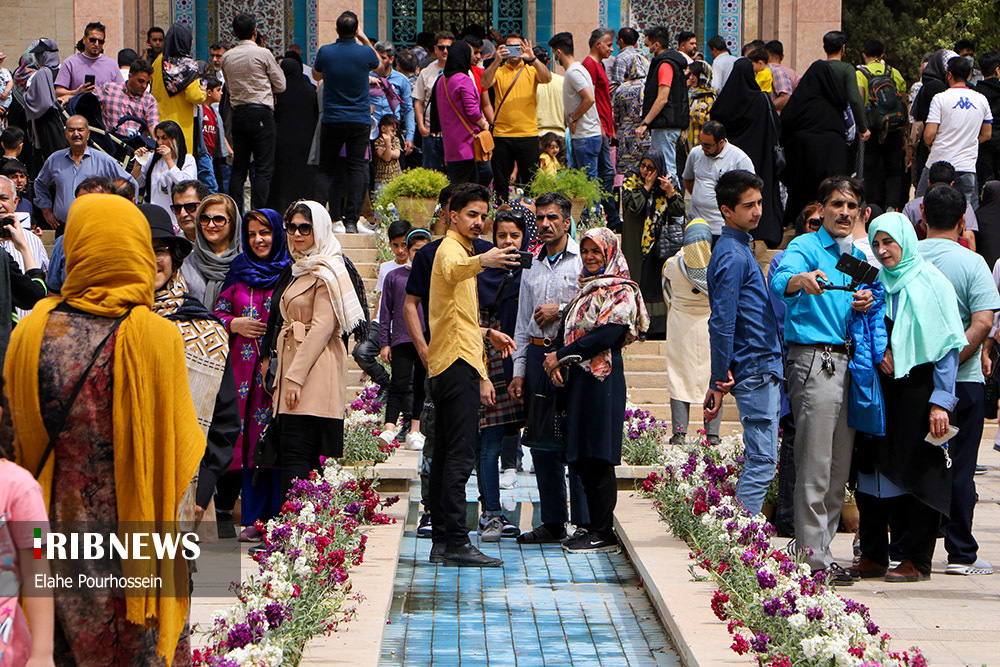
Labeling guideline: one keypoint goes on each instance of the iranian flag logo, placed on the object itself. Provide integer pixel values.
(38, 543)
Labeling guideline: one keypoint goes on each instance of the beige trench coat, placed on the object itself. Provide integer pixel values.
(311, 352)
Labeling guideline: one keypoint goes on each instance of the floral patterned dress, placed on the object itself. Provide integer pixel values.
(89, 631)
(628, 81)
(240, 300)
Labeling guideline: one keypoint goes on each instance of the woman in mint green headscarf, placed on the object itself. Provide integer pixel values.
(901, 474)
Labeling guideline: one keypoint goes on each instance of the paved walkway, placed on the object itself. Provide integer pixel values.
(543, 607)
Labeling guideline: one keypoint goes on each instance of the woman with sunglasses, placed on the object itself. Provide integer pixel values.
(216, 245)
(317, 308)
(170, 164)
(244, 307)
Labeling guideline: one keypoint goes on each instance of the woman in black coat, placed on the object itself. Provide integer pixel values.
(295, 115)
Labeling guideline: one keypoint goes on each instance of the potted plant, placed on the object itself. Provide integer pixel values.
(849, 515)
(413, 194)
(770, 498)
(583, 191)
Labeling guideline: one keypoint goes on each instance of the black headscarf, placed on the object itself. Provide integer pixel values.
(817, 105)
(752, 123)
(934, 80)
(489, 281)
(295, 117)
(459, 58)
(179, 68)
(988, 217)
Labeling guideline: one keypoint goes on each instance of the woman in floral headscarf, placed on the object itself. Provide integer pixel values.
(176, 86)
(606, 315)
(34, 90)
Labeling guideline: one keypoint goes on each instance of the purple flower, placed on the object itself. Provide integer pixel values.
(814, 614)
(239, 636)
(276, 614)
(759, 642)
(772, 606)
(352, 508)
(765, 579)
(872, 628)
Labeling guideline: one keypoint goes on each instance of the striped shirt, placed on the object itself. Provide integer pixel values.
(252, 75)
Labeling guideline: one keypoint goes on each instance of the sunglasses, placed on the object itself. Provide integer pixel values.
(305, 229)
(443, 47)
(189, 207)
(216, 220)
(814, 222)
(95, 40)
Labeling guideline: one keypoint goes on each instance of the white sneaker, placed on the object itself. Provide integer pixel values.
(979, 567)
(893, 564)
(338, 227)
(509, 479)
(388, 437)
(366, 227)
(415, 441)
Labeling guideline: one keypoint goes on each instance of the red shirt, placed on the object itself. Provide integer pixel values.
(602, 94)
(209, 128)
(477, 76)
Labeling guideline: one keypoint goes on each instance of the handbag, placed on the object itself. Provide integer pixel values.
(267, 453)
(669, 238)
(780, 160)
(64, 413)
(482, 141)
(545, 422)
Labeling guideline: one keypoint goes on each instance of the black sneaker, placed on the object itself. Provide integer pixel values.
(591, 543)
(838, 576)
(437, 553)
(469, 556)
(382, 398)
(351, 227)
(981, 470)
(509, 529)
(424, 529)
(226, 527)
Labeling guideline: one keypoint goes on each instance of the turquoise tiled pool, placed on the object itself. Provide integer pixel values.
(543, 607)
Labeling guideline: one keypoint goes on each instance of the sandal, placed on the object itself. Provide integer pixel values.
(541, 535)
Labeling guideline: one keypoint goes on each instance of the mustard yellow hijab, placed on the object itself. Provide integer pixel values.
(157, 442)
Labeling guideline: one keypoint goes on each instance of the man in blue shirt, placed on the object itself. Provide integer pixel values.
(380, 104)
(816, 334)
(346, 111)
(746, 352)
(944, 214)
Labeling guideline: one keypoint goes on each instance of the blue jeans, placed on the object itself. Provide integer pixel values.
(433, 151)
(606, 172)
(665, 141)
(758, 398)
(585, 154)
(489, 473)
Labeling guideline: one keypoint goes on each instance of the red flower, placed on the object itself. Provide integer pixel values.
(740, 645)
(719, 600)
(700, 507)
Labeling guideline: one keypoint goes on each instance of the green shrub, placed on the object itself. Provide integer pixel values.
(570, 182)
(418, 183)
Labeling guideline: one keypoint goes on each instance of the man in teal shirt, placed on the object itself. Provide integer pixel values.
(944, 213)
(816, 367)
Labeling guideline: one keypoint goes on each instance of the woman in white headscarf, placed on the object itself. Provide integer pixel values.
(319, 307)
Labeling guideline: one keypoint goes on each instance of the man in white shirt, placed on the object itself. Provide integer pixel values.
(579, 104)
(958, 121)
(704, 168)
(722, 62)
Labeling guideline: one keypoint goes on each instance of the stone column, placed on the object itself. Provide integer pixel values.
(24, 21)
(801, 25)
(579, 17)
(327, 12)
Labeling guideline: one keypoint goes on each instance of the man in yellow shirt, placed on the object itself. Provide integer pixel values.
(457, 369)
(549, 98)
(515, 80)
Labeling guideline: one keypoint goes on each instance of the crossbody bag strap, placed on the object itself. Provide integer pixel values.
(64, 413)
(507, 94)
(455, 109)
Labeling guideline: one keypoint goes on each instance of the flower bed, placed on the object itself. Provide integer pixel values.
(775, 607)
(362, 425)
(303, 586)
(643, 437)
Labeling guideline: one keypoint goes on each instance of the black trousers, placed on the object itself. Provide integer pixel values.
(305, 438)
(919, 522)
(365, 355)
(463, 171)
(784, 511)
(254, 135)
(227, 490)
(522, 151)
(601, 489)
(352, 169)
(964, 451)
(883, 170)
(406, 391)
(456, 399)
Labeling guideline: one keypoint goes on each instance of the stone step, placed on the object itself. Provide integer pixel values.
(362, 255)
(356, 240)
(645, 363)
(646, 348)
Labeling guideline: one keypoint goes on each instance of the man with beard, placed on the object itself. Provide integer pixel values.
(816, 367)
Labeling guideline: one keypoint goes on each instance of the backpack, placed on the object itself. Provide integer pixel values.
(885, 109)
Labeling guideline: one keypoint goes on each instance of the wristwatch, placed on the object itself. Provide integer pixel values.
(529, 62)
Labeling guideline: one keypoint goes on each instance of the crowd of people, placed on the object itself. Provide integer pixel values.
(147, 377)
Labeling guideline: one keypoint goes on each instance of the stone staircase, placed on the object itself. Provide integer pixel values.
(645, 365)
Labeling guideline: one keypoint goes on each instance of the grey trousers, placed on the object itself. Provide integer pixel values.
(823, 448)
(680, 414)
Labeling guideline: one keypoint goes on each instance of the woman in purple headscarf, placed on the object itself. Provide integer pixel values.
(243, 306)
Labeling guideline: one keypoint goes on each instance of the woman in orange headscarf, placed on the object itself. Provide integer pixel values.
(127, 447)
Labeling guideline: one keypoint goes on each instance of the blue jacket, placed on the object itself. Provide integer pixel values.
(865, 405)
